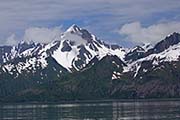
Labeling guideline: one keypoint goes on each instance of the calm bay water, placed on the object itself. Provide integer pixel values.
(109, 110)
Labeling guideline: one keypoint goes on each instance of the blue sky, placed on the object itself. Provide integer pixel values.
(124, 22)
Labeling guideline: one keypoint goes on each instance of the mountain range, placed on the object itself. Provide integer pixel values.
(77, 65)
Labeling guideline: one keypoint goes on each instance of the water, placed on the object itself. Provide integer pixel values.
(109, 110)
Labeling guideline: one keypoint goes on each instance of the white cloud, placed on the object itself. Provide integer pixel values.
(11, 40)
(41, 35)
(35, 34)
(17, 15)
(135, 32)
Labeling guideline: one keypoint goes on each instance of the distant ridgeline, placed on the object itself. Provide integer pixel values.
(79, 66)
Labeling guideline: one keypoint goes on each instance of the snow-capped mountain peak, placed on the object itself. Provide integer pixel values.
(78, 47)
(78, 51)
(147, 46)
(165, 51)
(73, 50)
(73, 29)
(77, 35)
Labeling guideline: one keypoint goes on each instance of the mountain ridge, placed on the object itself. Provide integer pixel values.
(77, 61)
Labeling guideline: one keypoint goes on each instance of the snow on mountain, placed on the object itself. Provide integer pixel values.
(76, 48)
(147, 46)
(74, 34)
(65, 58)
(78, 45)
(73, 50)
(170, 54)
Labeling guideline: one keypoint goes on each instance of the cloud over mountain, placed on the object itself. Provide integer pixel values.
(102, 16)
(151, 34)
(41, 35)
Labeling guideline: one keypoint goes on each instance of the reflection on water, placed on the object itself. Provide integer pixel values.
(143, 110)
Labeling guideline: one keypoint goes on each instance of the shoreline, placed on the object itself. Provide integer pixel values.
(93, 101)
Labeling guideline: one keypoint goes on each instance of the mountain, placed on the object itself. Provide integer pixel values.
(77, 65)
(137, 52)
(156, 72)
(72, 50)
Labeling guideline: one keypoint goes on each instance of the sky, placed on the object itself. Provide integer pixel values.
(124, 22)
